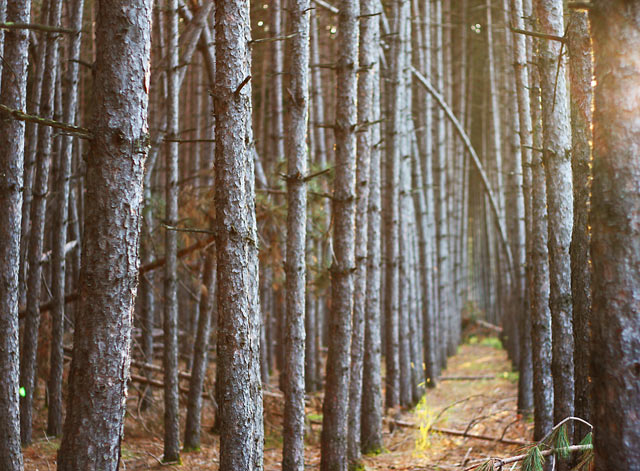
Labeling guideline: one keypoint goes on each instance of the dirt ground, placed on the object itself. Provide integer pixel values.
(478, 406)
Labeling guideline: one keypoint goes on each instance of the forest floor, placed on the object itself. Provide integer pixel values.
(478, 406)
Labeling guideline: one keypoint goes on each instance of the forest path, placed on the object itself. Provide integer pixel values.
(489, 405)
(483, 407)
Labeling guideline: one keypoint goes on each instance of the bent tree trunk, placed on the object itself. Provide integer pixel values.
(238, 378)
(615, 247)
(115, 166)
(14, 90)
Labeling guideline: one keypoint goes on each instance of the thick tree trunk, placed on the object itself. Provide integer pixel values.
(295, 265)
(13, 95)
(334, 424)
(36, 240)
(615, 246)
(239, 386)
(368, 59)
(581, 72)
(54, 424)
(557, 165)
(115, 166)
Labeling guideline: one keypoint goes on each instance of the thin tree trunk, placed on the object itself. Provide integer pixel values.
(54, 424)
(615, 246)
(295, 265)
(368, 54)
(541, 314)
(238, 385)
(115, 167)
(170, 326)
(557, 165)
(334, 424)
(581, 72)
(28, 354)
(200, 354)
(371, 427)
(13, 94)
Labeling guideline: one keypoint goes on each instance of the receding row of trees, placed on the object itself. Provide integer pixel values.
(254, 182)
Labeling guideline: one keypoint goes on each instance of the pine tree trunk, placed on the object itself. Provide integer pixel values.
(13, 95)
(541, 314)
(368, 60)
(371, 427)
(54, 424)
(334, 424)
(36, 239)
(295, 265)
(238, 387)
(615, 245)
(170, 324)
(581, 72)
(557, 165)
(100, 367)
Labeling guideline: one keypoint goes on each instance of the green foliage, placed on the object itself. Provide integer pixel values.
(359, 466)
(486, 466)
(534, 460)
(586, 457)
(426, 418)
(314, 417)
(493, 342)
(378, 450)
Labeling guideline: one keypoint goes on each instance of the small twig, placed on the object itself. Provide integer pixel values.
(188, 229)
(242, 84)
(328, 6)
(35, 27)
(184, 141)
(317, 174)
(273, 39)
(564, 421)
(83, 133)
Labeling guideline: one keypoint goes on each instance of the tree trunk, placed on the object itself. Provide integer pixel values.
(371, 426)
(238, 386)
(367, 59)
(54, 424)
(28, 354)
(295, 265)
(615, 246)
(581, 72)
(170, 325)
(541, 314)
(115, 166)
(13, 95)
(557, 165)
(334, 424)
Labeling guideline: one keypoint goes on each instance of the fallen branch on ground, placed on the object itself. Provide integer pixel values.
(500, 462)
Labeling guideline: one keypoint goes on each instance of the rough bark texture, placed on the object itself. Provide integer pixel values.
(615, 222)
(540, 313)
(368, 59)
(239, 387)
(557, 166)
(581, 71)
(54, 423)
(334, 424)
(36, 240)
(295, 265)
(14, 90)
(522, 85)
(170, 322)
(371, 428)
(115, 165)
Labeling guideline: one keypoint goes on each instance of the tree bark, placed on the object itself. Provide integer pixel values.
(368, 54)
(13, 94)
(36, 239)
(334, 423)
(54, 423)
(615, 246)
(100, 367)
(581, 72)
(295, 264)
(238, 386)
(557, 165)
